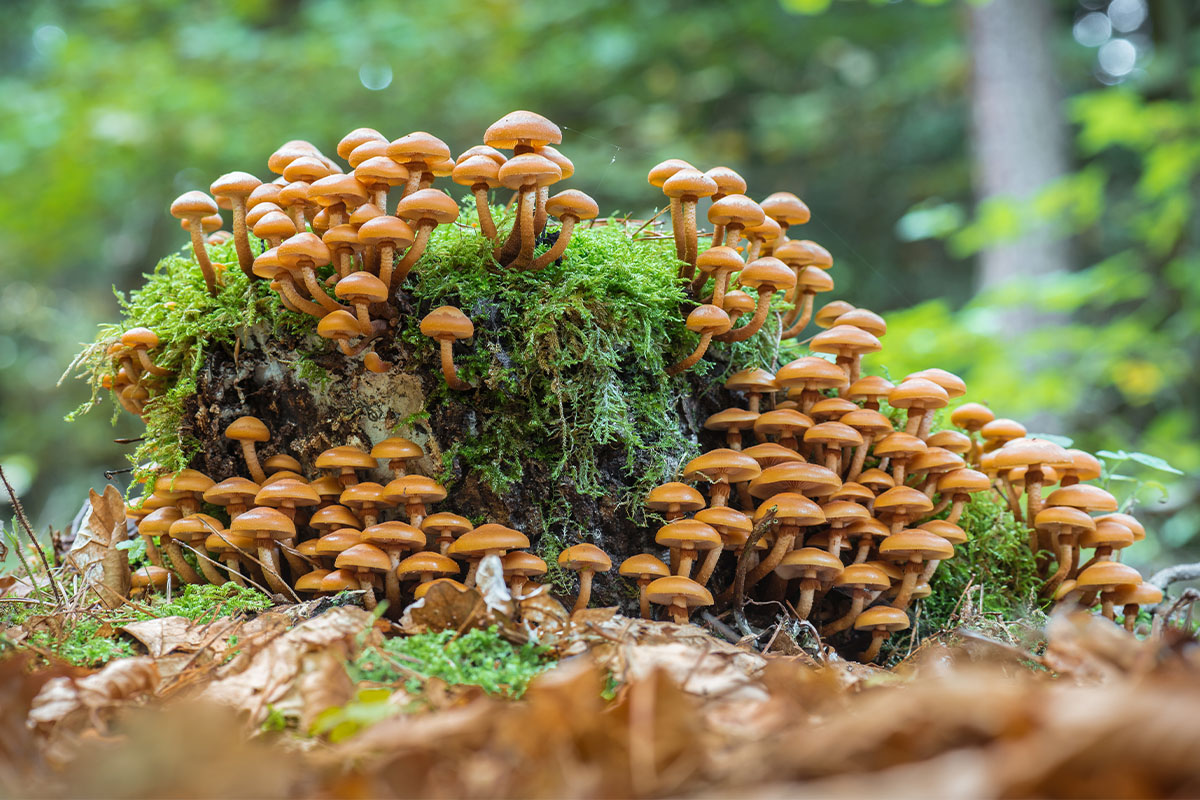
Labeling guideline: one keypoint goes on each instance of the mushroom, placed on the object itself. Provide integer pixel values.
(765, 275)
(269, 267)
(158, 523)
(425, 209)
(1107, 579)
(898, 449)
(732, 421)
(569, 207)
(274, 227)
(417, 152)
(1033, 454)
(913, 548)
(785, 423)
(686, 187)
(717, 263)
(861, 581)
(1131, 598)
(707, 321)
(881, 621)
(762, 238)
(721, 468)
(733, 527)
(841, 514)
(333, 517)
(810, 282)
(486, 540)
(869, 390)
(394, 538)
(481, 173)
(425, 567)
(587, 560)
(644, 569)
(193, 207)
(301, 255)
(194, 530)
(416, 492)
(833, 437)
(971, 417)
(398, 452)
(363, 560)
(342, 326)
(728, 182)
(932, 463)
(344, 460)
(446, 527)
(792, 511)
(678, 594)
(737, 304)
(361, 289)
(902, 504)
(1064, 525)
(237, 186)
(999, 432)
(147, 578)
(355, 139)
(871, 425)
(753, 383)
(849, 344)
(525, 174)
(674, 500)
(447, 324)
(815, 568)
(343, 242)
(688, 537)
(811, 375)
(264, 526)
(864, 534)
(424, 587)
(140, 341)
(920, 397)
(365, 498)
(379, 174)
(287, 495)
(659, 174)
(1084, 467)
(1107, 537)
(732, 214)
(234, 494)
(519, 567)
(957, 486)
(787, 209)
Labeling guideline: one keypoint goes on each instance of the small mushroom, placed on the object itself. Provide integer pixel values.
(447, 324)
(707, 321)
(416, 492)
(364, 560)
(394, 538)
(688, 538)
(525, 174)
(389, 235)
(587, 560)
(721, 468)
(426, 209)
(398, 452)
(792, 511)
(379, 174)
(861, 581)
(425, 567)
(765, 275)
(193, 207)
(361, 289)
(140, 341)
(194, 530)
(301, 255)
(644, 569)
(482, 174)
(486, 540)
(881, 621)
(519, 567)
(446, 527)
(569, 207)
(913, 548)
(265, 526)
(417, 152)
(246, 431)
(678, 594)
(815, 569)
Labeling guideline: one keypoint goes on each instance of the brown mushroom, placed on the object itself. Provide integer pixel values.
(447, 324)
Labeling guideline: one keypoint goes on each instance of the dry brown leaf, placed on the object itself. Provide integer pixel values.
(120, 680)
(94, 553)
(167, 634)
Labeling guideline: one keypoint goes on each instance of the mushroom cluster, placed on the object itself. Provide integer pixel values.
(133, 372)
(288, 532)
(337, 240)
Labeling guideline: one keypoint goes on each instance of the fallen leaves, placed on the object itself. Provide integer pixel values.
(94, 553)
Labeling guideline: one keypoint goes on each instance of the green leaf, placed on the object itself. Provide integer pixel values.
(1120, 455)
(1154, 462)
(1061, 441)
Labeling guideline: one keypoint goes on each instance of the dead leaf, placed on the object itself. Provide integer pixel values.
(94, 552)
(167, 634)
(120, 680)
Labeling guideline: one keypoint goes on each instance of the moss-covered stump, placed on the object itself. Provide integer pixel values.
(570, 420)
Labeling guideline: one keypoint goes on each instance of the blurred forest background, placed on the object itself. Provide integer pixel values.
(1014, 183)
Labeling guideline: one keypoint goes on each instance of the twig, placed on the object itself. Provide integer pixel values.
(1187, 598)
(649, 222)
(727, 632)
(743, 565)
(1180, 572)
(16, 504)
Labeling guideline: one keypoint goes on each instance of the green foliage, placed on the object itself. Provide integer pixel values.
(370, 704)
(206, 602)
(477, 658)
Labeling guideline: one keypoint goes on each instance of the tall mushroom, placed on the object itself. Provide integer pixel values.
(731, 215)
(417, 152)
(426, 209)
(815, 568)
(792, 511)
(264, 526)
(587, 560)
(246, 431)
(193, 207)
(363, 560)
(721, 468)
(569, 207)
(849, 344)
(394, 538)
(707, 321)
(688, 186)
(236, 187)
(659, 174)
(481, 174)
(525, 174)
(301, 255)
(389, 235)
(446, 325)
(688, 538)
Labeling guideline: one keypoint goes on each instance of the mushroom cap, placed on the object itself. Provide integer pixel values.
(194, 527)
(186, 480)
(737, 300)
(811, 372)
(338, 324)
(427, 562)
(572, 203)
(386, 228)
(791, 508)
(767, 273)
(303, 249)
(748, 380)
(339, 580)
(380, 170)
(287, 492)
(954, 385)
(708, 319)
(262, 523)
(335, 542)
(853, 492)
(845, 340)
(899, 445)
(727, 180)
(918, 393)
(423, 588)
(488, 538)
(883, 618)
(1024, 452)
(529, 169)
(247, 429)
(963, 481)
(363, 556)
(936, 460)
(526, 565)
(274, 225)
(721, 466)
(357, 137)
(1002, 428)
(1107, 534)
(809, 562)
(950, 439)
(903, 500)
(661, 498)
(915, 544)
(333, 517)
(828, 314)
(428, 204)
(227, 542)
(869, 386)
(678, 590)
(284, 475)
(1084, 466)
(731, 419)
(334, 189)
(396, 447)
(844, 512)
(810, 479)
(268, 266)
(193, 204)
(447, 322)
(234, 185)
(310, 582)
(805, 253)
(367, 150)
(688, 533)
(361, 494)
(867, 320)
(947, 530)
(689, 183)
(345, 456)
(418, 146)
(327, 487)
(307, 169)
(813, 280)
(735, 210)
(868, 527)
(971, 416)
(832, 409)
(361, 287)
(149, 575)
(584, 557)
(834, 434)
(786, 208)
(643, 566)
(394, 534)
(139, 337)
(768, 454)
(1139, 532)
(446, 522)
(867, 421)
(1058, 518)
(415, 489)
(768, 230)
(663, 170)
(1081, 495)
(521, 127)
(1105, 576)
(231, 490)
(862, 576)
(482, 150)
(264, 193)
(1142, 594)
(728, 522)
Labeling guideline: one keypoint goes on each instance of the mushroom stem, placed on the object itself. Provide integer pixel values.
(718, 236)
(196, 228)
(486, 223)
(1066, 548)
(718, 494)
(912, 423)
(860, 459)
(175, 556)
(643, 600)
(296, 563)
(808, 587)
(846, 620)
(251, 457)
(287, 288)
(677, 232)
(926, 418)
(528, 235)
(689, 235)
(318, 292)
(679, 613)
(241, 239)
(1033, 492)
(208, 567)
(415, 251)
(877, 637)
(448, 368)
(363, 312)
(391, 583)
(694, 358)
(148, 365)
(539, 216)
(387, 263)
(1129, 616)
(864, 549)
(505, 252)
(686, 557)
(799, 317)
(709, 565)
(783, 543)
(909, 582)
(232, 565)
(560, 245)
(756, 322)
(585, 590)
(271, 569)
(364, 583)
